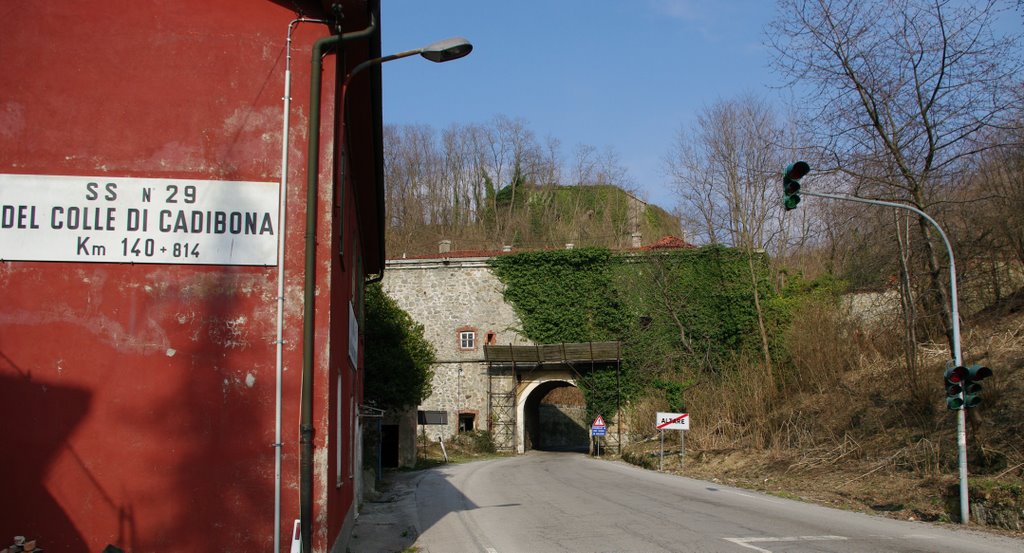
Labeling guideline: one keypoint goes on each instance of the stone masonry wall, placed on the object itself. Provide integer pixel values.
(448, 297)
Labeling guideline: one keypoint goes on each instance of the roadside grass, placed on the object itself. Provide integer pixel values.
(463, 448)
(890, 493)
(852, 429)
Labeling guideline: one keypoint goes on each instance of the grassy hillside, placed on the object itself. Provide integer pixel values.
(596, 215)
(845, 433)
(530, 217)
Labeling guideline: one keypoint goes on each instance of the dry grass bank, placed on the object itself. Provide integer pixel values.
(851, 428)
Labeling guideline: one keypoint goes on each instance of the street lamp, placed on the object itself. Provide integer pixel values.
(445, 50)
(439, 52)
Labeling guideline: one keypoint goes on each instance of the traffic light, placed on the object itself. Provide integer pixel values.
(956, 378)
(962, 386)
(791, 183)
(972, 389)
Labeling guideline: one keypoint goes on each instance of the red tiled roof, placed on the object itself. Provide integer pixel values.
(668, 243)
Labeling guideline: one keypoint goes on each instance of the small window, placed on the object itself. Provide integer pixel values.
(492, 338)
(466, 421)
(467, 339)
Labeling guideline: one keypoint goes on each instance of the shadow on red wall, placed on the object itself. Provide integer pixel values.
(45, 416)
(179, 460)
(206, 427)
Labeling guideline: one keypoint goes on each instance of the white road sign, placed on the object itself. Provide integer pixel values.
(673, 421)
(138, 220)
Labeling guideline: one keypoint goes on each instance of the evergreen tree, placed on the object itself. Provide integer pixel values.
(398, 357)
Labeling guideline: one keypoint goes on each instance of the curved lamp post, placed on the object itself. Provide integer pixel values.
(442, 51)
(961, 415)
(439, 52)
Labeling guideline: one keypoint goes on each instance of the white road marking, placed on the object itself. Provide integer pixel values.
(750, 496)
(491, 550)
(746, 542)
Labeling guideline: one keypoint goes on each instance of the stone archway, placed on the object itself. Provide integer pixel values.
(517, 373)
(529, 395)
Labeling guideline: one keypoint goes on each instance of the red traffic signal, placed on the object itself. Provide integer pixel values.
(957, 375)
(962, 385)
(956, 379)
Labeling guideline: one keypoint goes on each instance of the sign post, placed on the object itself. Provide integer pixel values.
(598, 429)
(672, 421)
(682, 441)
(661, 459)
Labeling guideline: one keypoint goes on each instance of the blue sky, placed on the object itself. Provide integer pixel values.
(624, 74)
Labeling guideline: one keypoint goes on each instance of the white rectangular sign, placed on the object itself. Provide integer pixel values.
(138, 220)
(673, 421)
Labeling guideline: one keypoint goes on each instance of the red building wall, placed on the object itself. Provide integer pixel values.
(138, 400)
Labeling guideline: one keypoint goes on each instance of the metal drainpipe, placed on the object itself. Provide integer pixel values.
(282, 226)
(309, 288)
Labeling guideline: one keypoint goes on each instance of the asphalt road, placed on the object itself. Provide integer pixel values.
(563, 502)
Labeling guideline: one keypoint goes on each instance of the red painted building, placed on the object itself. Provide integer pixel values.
(152, 326)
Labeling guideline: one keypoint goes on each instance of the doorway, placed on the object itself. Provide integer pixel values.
(389, 445)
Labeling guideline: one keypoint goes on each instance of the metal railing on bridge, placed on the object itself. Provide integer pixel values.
(554, 354)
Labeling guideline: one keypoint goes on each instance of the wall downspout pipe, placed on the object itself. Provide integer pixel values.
(282, 217)
(321, 46)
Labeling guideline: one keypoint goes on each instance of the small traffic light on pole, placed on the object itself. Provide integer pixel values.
(791, 183)
(962, 386)
(972, 390)
(956, 378)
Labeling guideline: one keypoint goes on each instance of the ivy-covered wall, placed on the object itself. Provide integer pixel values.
(563, 295)
(681, 314)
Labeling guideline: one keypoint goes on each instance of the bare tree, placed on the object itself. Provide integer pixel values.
(1001, 172)
(726, 171)
(485, 185)
(901, 93)
(411, 170)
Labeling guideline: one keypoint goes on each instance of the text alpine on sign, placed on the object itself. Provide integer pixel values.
(138, 220)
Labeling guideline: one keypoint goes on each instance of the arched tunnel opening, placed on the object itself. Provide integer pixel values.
(555, 418)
